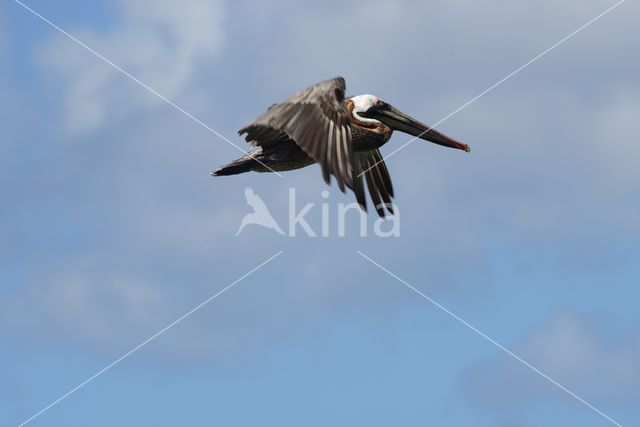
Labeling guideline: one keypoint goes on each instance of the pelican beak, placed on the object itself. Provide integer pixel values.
(397, 120)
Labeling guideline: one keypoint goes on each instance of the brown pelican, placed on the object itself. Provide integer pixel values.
(343, 135)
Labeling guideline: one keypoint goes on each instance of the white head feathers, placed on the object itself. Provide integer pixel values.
(362, 103)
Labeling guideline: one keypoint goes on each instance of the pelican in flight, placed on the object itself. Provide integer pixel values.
(343, 135)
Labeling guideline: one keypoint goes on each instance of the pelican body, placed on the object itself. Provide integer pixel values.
(343, 135)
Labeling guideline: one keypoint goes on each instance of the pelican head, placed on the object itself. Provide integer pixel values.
(371, 109)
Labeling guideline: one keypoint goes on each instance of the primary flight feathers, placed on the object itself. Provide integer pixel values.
(343, 135)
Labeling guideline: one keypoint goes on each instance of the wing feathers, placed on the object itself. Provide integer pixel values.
(378, 181)
(316, 119)
(303, 117)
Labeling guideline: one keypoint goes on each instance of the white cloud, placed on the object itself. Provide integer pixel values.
(153, 193)
(3, 36)
(4, 143)
(98, 294)
(76, 303)
(159, 42)
(570, 349)
(619, 138)
(429, 42)
(536, 138)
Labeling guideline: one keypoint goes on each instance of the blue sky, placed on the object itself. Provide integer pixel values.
(112, 227)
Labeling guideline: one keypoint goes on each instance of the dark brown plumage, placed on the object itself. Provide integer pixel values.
(318, 125)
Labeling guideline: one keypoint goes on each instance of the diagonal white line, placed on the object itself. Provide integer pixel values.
(144, 85)
(488, 338)
(496, 84)
(145, 342)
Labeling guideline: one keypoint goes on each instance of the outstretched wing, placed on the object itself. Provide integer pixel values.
(378, 181)
(317, 120)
